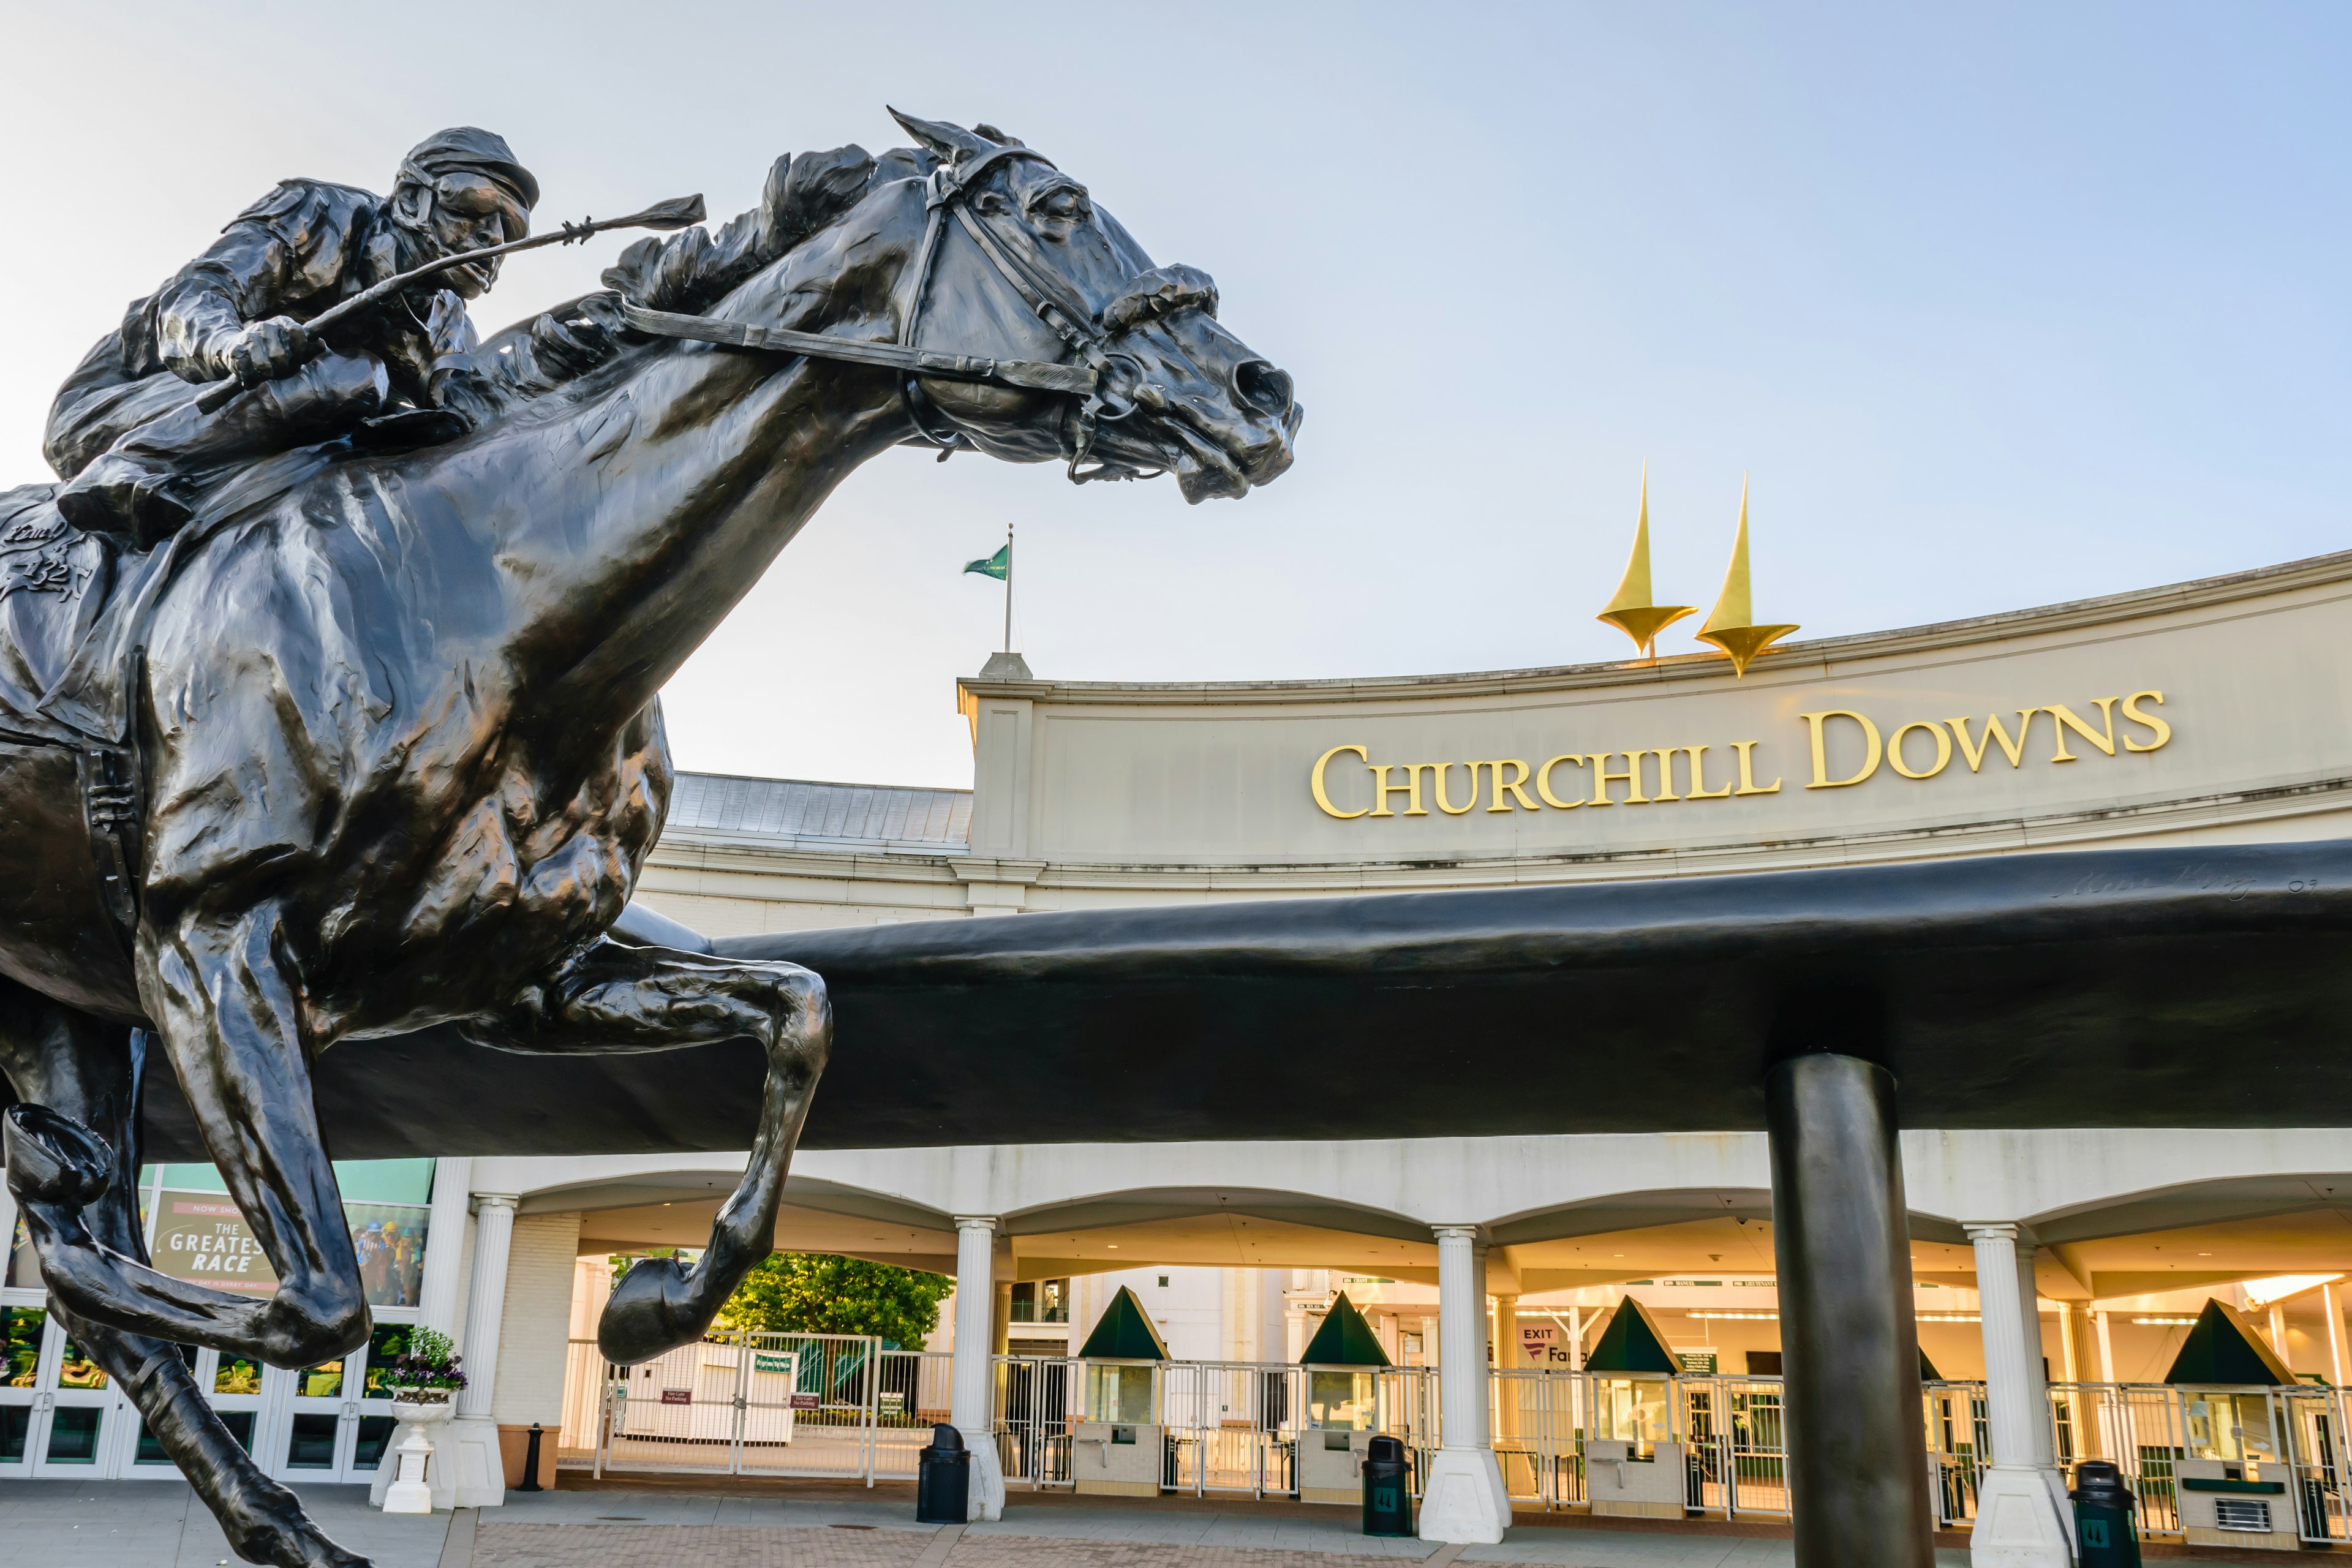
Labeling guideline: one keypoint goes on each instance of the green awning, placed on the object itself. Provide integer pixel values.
(1344, 1339)
(1631, 1342)
(1124, 1334)
(1928, 1373)
(2223, 1348)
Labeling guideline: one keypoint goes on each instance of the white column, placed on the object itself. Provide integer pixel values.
(1464, 1501)
(2107, 1373)
(1576, 1339)
(444, 1241)
(2278, 1334)
(468, 1468)
(2019, 1523)
(2334, 1334)
(971, 1381)
(2045, 1435)
(1504, 1337)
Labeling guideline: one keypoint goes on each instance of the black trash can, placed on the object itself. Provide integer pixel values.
(1388, 1499)
(2106, 1531)
(944, 1478)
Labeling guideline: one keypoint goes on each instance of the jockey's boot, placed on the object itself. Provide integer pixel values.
(123, 493)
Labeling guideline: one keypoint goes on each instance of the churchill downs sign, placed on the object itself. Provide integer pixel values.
(1845, 748)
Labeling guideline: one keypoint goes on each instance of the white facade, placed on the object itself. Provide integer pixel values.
(2213, 712)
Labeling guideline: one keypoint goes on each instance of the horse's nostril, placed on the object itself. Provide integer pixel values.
(1263, 387)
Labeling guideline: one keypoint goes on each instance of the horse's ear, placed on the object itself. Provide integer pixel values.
(952, 143)
(1001, 137)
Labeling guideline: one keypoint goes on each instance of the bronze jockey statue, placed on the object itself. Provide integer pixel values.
(125, 431)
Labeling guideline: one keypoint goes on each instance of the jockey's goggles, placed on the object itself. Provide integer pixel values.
(479, 196)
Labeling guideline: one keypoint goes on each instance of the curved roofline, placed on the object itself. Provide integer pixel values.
(2069, 615)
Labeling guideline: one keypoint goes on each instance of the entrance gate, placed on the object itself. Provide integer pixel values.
(755, 1403)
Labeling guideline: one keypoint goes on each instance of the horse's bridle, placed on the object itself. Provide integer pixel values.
(1105, 379)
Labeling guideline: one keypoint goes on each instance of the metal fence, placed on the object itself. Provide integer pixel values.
(2145, 1429)
(1228, 1428)
(843, 1406)
(754, 1404)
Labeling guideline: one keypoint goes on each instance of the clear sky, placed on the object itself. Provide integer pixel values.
(1997, 305)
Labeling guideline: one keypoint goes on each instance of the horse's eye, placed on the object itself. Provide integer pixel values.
(1063, 202)
(988, 202)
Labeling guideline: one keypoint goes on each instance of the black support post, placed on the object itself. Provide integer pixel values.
(1849, 1346)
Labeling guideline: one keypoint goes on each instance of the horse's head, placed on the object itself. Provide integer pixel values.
(1018, 262)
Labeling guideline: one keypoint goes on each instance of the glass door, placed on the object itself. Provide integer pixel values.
(320, 1416)
(234, 1384)
(22, 1331)
(372, 1433)
(78, 1399)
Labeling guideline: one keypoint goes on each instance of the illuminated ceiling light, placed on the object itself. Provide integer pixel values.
(1740, 1317)
(2262, 1292)
(1949, 1318)
(2166, 1322)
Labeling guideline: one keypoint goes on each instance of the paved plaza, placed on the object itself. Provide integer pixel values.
(65, 1524)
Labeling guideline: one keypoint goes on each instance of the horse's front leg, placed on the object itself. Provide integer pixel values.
(224, 1001)
(611, 998)
(86, 1073)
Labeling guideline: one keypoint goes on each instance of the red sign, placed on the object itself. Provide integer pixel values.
(807, 1402)
(678, 1396)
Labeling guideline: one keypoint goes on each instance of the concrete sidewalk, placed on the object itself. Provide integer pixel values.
(156, 1524)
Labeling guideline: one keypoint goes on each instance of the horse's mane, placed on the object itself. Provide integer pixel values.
(690, 272)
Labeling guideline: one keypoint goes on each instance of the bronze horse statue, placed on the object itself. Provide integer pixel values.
(392, 754)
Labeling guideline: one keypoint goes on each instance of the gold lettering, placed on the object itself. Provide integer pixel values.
(1383, 789)
(1665, 772)
(2066, 720)
(1698, 790)
(1602, 778)
(1438, 772)
(1817, 722)
(1543, 779)
(1315, 783)
(1515, 786)
(1747, 749)
(2132, 711)
(1974, 751)
(1894, 749)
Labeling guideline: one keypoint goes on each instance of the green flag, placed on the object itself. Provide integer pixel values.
(999, 565)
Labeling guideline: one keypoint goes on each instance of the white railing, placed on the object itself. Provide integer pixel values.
(2145, 1429)
(754, 1404)
(842, 1405)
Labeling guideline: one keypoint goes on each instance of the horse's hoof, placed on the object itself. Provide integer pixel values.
(647, 1314)
(54, 1160)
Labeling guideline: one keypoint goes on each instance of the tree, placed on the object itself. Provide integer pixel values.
(820, 1293)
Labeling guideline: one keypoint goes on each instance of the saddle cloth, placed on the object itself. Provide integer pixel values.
(55, 586)
(74, 606)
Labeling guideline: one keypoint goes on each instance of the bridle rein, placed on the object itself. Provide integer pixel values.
(1105, 379)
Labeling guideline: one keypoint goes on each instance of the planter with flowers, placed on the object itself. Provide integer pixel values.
(422, 1380)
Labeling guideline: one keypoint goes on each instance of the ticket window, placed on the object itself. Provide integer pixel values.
(1631, 1410)
(1340, 1401)
(2231, 1427)
(1119, 1393)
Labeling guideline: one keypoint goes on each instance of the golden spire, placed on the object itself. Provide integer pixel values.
(1631, 610)
(1731, 624)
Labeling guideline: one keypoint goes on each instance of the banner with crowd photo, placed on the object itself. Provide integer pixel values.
(201, 1238)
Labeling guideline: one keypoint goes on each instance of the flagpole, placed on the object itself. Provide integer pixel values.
(1008, 588)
